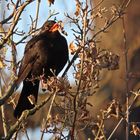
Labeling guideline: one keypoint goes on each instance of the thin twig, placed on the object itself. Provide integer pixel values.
(81, 70)
(114, 130)
(9, 92)
(10, 16)
(23, 117)
(37, 13)
(16, 17)
(113, 20)
(118, 124)
(99, 130)
(126, 79)
(3, 113)
(48, 114)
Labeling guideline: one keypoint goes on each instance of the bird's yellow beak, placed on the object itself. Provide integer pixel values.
(55, 27)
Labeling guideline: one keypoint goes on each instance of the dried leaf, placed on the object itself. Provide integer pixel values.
(88, 103)
(77, 8)
(108, 60)
(12, 101)
(72, 48)
(114, 9)
(114, 110)
(135, 130)
(2, 65)
(31, 98)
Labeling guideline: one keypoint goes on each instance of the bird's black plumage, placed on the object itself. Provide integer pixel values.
(47, 50)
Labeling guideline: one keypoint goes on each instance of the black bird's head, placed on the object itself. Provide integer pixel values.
(50, 26)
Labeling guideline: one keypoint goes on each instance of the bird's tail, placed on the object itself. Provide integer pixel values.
(29, 90)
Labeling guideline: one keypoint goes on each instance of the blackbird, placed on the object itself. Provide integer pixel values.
(44, 53)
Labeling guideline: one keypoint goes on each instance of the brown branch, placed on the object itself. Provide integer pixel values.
(121, 120)
(104, 29)
(83, 37)
(48, 115)
(10, 91)
(112, 20)
(2, 109)
(16, 17)
(37, 13)
(10, 16)
(126, 79)
(23, 117)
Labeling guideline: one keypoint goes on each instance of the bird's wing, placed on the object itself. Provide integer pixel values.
(30, 57)
(25, 69)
